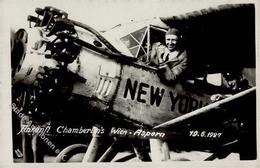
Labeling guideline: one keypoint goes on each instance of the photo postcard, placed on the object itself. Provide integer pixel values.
(130, 81)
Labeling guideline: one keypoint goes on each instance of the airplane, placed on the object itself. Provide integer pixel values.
(130, 107)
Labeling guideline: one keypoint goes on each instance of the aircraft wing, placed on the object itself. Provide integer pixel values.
(242, 104)
(236, 116)
(218, 39)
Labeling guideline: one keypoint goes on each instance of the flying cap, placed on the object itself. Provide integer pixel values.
(173, 31)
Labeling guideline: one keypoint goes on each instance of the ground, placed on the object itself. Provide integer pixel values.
(182, 156)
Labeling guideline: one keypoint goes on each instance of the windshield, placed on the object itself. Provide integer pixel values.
(139, 42)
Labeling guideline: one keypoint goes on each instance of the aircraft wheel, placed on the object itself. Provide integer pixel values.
(72, 153)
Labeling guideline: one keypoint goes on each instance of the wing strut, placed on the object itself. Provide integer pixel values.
(205, 109)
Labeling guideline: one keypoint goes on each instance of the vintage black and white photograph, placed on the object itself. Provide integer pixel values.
(132, 81)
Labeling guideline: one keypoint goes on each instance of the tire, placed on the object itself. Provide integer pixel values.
(72, 153)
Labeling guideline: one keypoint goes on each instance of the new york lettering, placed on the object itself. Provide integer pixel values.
(141, 92)
(185, 104)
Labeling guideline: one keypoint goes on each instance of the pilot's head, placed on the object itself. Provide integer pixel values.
(231, 80)
(172, 37)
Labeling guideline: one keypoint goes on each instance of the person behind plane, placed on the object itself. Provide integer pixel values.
(245, 114)
(234, 82)
(171, 58)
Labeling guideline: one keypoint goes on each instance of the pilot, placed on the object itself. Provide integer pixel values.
(171, 58)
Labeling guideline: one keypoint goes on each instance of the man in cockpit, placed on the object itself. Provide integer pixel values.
(172, 62)
(170, 58)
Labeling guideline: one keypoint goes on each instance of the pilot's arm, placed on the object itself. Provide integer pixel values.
(158, 53)
(173, 69)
